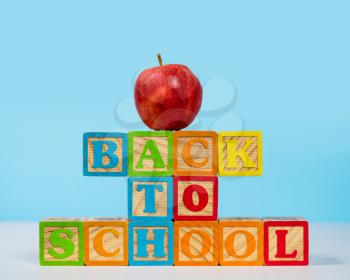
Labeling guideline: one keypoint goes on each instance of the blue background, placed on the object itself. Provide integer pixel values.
(66, 65)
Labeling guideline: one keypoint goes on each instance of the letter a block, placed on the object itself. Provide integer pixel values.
(196, 243)
(195, 198)
(240, 153)
(286, 241)
(106, 242)
(150, 153)
(241, 241)
(61, 242)
(195, 153)
(151, 243)
(105, 154)
(150, 198)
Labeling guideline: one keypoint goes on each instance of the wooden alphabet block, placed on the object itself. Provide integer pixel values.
(105, 154)
(195, 198)
(61, 242)
(150, 198)
(195, 153)
(196, 243)
(151, 243)
(240, 153)
(286, 241)
(241, 241)
(106, 241)
(150, 153)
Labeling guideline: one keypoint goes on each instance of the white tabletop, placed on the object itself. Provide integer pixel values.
(329, 259)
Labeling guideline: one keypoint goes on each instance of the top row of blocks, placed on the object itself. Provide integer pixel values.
(166, 153)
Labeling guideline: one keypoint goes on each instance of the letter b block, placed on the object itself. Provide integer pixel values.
(106, 242)
(61, 242)
(150, 153)
(196, 243)
(150, 198)
(241, 241)
(151, 243)
(195, 198)
(105, 154)
(286, 241)
(240, 153)
(195, 153)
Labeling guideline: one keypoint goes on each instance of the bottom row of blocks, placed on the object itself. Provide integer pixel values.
(231, 241)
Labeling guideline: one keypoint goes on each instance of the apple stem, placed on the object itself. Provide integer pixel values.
(160, 59)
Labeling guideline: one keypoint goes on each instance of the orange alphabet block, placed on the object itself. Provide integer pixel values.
(241, 242)
(106, 242)
(196, 243)
(195, 153)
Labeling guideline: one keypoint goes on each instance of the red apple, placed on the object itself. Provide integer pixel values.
(168, 97)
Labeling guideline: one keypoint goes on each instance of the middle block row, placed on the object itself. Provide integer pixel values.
(183, 198)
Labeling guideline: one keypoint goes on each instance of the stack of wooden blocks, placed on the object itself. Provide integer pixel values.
(173, 206)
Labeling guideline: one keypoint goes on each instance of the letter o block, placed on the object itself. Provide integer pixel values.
(241, 242)
(106, 242)
(195, 153)
(196, 243)
(240, 153)
(150, 153)
(61, 242)
(195, 198)
(105, 154)
(286, 241)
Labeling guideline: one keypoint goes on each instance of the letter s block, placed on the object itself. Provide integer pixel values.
(151, 243)
(195, 198)
(150, 153)
(240, 153)
(106, 241)
(105, 154)
(150, 198)
(61, 242)
(196, 243)
(241, 242)
(195, 153)
(286, 241)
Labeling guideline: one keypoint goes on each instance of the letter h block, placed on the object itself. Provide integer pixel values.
(106, 241)
(195, 153)
(105, 154)
(150, 198)
(151, 243)
(286, 241)
(195, 198)
(150, 153)
(61, 242)
(240, 153)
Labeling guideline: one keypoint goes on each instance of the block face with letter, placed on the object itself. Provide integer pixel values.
(150, 198)
(106, 241)
(150, 153)
(196, 243)
(240, 153)
(151, 243)
(195, 198)
(286, 241)
(105, 154)
(241, 242)
(61, 242)
(195, 153)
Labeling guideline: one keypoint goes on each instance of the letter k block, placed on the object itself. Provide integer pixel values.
(150, 198)
(240, 153)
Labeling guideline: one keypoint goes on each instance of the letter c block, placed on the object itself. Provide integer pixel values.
(195, 198)
(61, 242)
(106, 242)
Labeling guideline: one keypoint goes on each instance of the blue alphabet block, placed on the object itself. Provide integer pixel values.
(150, 198)
(151, 243)
(105, 154)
